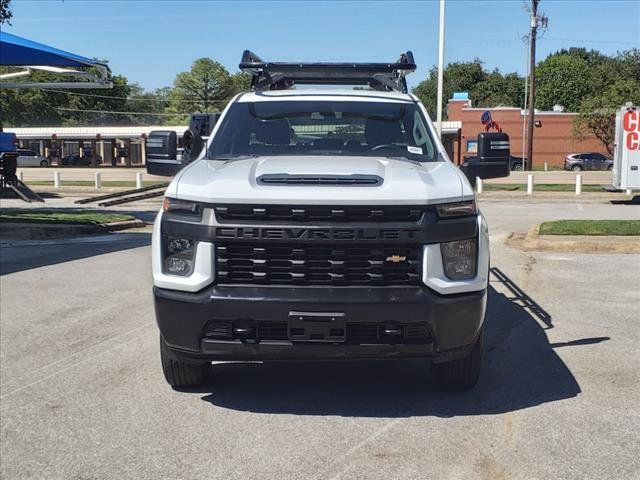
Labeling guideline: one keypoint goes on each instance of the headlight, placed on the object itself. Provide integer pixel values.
(459, 259)
(457, 209)
(178, 256)
(183, 207)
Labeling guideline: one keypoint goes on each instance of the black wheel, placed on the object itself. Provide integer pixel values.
(44, 163)
(181, 374)
(517, 166)
(610, 167)
(576, 168)
(461, 374)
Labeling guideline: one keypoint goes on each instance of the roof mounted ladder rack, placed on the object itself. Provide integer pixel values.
(281, 75)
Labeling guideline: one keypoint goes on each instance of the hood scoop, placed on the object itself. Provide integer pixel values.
(319, 180)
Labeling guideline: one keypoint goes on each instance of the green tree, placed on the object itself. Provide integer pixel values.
(241, 82)
(206, 87)
(95, 106)
(5, 12)
(154, 103)
(597, 113)
(485, 89)
(499, 90)
(457, 77)
(628, 64)
(563, 79)
(31, 107)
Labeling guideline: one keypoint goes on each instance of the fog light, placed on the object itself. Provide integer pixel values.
(392, 330)
(178, 256)
(459, 259)
(178, 266)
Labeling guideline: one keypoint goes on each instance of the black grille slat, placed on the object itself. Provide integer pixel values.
(363, 333)
(313, 265)
(272, 331)
(319, 213)
(356, 333)
(417, 331)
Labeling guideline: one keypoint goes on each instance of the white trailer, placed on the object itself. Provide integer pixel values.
(626, 156)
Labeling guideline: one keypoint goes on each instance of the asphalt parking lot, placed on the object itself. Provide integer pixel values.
(82, 395)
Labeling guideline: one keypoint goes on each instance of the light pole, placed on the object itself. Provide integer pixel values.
(440, 70)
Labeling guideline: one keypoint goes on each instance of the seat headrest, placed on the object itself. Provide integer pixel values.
(273, 132)
(381, 132)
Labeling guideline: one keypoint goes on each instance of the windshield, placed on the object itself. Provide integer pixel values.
(323, 128)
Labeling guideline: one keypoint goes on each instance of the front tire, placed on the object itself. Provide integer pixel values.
(44, 164)
(576, 168)
(180, 374)
(461, 374)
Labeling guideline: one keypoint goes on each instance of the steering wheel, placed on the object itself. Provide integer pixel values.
(384, 145)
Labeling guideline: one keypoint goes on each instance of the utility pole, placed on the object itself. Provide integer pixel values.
(440, 70)
(532, 81)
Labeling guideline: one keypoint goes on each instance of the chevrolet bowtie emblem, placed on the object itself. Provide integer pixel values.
(396, 259)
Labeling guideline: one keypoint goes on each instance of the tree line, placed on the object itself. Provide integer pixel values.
(585, 81)
(206, 87)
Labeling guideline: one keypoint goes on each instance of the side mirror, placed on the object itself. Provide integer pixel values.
(162, 153)
(493, 160)
(195, 138)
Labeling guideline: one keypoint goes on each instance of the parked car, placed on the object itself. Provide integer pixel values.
(515, 163)
(587, 161)
(29, 158)
(518, 163)
(76, 160)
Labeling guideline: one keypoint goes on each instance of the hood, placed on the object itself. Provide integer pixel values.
(400, 181)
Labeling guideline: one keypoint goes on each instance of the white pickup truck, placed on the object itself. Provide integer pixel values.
(323, 224)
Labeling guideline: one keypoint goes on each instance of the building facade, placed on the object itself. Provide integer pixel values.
(122, 146)
(553, 133)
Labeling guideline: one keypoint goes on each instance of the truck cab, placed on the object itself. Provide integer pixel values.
(322, 224)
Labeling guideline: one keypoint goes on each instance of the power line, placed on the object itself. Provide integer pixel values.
(585, 40)
(137, 99)
(119, 113)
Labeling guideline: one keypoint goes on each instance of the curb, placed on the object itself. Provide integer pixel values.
(578, 243)
(546, 196)
(39, 231)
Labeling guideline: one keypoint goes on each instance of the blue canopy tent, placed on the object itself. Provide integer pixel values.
(20, 52)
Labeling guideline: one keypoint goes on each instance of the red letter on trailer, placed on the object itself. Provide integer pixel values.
(633, 141)
(630, 121)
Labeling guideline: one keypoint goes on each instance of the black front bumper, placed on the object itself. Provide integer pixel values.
(453, 321)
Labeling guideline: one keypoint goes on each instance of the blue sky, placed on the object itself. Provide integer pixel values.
(150, 41)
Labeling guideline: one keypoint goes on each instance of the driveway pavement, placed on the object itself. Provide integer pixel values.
(82, 394)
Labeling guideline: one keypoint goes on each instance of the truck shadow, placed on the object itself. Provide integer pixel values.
(520, 370)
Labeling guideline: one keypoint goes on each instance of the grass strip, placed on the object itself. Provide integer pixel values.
(81, 217)
(541, 187)
(591, 227)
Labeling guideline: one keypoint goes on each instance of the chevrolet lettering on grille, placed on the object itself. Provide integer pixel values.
(253, 233)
